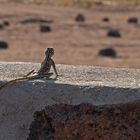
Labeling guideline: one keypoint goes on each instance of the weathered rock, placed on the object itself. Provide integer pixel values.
(87, 122)
(38, 129)
(80, 18)
(114, 33)
(78, 84)
(108, 52)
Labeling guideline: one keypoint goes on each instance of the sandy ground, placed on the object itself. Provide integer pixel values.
(73, 43)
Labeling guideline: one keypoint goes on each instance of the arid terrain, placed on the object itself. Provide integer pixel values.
(27, 29)
(74, 43)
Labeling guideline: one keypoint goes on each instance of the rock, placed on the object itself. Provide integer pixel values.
(45, 28)
(87, 122)
(80, 18)
(133, 20)
(6, 23)
(1, 26)
(108, 52)
(105, 19)
(3, 45)
(37, 128)
(114, 33)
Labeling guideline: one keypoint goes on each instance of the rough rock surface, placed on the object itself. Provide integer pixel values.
(87, 122)
(75, 85)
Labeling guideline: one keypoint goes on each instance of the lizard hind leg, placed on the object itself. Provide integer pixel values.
(48, 75)
(29, 73)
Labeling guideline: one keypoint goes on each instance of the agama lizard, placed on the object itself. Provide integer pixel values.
(43, 71)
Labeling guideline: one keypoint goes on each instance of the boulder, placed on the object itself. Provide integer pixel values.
(86, 122)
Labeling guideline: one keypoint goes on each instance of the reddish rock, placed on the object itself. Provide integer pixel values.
(88, 122)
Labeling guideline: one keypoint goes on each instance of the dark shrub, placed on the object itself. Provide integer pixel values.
(45, 28)
(3, 45)
(108, 52)
(6, 23)
(113, 33)
(80, 18)
(105, 19)
(35, 21)
(133, 20)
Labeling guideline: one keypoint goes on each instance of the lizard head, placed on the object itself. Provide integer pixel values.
(49, 52)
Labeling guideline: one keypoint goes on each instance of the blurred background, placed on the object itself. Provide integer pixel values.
(82, 32)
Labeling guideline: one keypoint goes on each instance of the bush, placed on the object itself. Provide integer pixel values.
(80, 18)
(114, 33)
(45, 28)
(105, 19)
(108, 52)
(133, 20)
(3, 45)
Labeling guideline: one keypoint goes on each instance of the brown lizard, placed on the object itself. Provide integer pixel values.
(43, 71)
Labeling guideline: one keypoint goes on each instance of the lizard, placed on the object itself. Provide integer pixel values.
(43, 72)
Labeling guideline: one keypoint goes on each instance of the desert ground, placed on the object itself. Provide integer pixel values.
(74, 43)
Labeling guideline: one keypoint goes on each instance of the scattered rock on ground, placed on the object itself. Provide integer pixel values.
(87, 122)
(3, 45)
(133, 20)
(6, 23)
(105, 19)
(80, 18)
(45, 28)
(114, 33)
(108, 52)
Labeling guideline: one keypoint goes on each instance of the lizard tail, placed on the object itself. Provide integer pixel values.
(18, 79)
(29, 73)
(13, 81)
